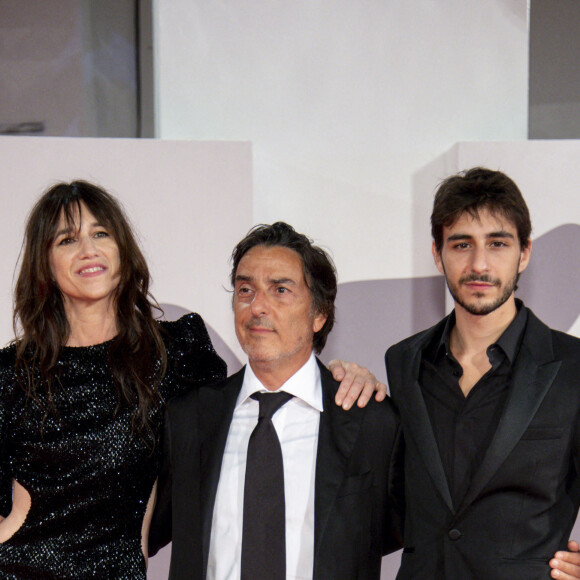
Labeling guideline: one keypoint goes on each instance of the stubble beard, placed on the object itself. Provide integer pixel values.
(478, 309)
(260, 353)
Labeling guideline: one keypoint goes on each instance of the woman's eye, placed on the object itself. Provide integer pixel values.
(66, 241)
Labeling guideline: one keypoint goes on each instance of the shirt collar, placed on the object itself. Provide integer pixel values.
(511, 338)
(443, 346)
(509, 341)
(304, 384)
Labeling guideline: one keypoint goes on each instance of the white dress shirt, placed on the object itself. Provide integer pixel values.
(296, 424)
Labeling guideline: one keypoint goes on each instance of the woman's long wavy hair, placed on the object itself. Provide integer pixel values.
(137, 356)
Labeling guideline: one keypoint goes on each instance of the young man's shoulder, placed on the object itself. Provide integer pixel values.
(563, 343)
(416, 340)
(372, 411)
(566, 344)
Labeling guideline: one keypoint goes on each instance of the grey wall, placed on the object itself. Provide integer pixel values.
(554, 101)
(71, 65)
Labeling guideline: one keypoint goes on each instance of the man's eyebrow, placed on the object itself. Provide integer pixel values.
(247, 278)
(454, 237)
(498, 234)
(242, 278)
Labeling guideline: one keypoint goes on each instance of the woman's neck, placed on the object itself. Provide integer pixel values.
(90, 324)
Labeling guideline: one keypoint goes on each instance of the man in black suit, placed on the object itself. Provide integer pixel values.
(489, 400)
(338, 466)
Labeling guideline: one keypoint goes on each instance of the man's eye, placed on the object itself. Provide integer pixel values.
(281, 290)
(498, 244)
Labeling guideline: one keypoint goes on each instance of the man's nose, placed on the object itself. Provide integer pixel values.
(260, 305)
(479, 261)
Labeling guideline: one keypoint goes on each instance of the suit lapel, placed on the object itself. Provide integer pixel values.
(417, 423)
(215, 411)
(533, 375)
(415, 417)
(337, 435)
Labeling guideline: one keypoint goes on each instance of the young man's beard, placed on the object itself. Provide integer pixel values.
(485, 308)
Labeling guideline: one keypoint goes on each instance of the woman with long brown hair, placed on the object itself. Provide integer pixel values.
(81, 393)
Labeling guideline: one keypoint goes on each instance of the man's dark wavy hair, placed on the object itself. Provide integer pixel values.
(474, 190)
(318, 267)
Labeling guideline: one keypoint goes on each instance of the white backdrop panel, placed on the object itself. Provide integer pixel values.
(343, 101)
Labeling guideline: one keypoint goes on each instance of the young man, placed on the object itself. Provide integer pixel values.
(489, 400)
(314, 503)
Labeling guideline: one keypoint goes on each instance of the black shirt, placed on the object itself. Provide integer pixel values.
(464, 426)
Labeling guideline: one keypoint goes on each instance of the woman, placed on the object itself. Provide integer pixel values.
(81, 393)
(82, 389)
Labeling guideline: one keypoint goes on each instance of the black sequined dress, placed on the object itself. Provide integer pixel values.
(88, 475)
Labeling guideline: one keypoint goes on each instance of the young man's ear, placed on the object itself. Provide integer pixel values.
(525, 254)
(437, 258)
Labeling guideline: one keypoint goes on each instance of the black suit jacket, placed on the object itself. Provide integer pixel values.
(354, 472)
(524, 498)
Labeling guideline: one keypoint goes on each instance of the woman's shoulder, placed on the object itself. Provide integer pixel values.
(191, 357)
(188, 328)
(7, 357)
(7, 364)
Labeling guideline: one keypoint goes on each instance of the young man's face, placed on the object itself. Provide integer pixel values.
(481, 258)
(275, 321)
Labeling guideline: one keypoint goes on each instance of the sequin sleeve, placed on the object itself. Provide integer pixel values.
(191, 358)
(6, 374)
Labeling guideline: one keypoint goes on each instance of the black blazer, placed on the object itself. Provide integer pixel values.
(354, 472)
(523, 500)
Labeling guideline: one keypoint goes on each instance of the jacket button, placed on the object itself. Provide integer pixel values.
(454, 534)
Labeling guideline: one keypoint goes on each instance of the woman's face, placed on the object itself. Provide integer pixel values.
(84, 260)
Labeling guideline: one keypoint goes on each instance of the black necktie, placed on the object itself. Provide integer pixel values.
(264, 527)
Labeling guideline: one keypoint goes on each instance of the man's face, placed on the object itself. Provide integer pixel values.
(481, 258)
(274, 318)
